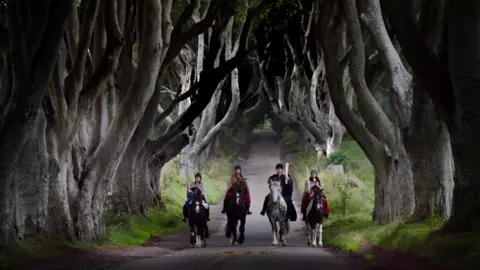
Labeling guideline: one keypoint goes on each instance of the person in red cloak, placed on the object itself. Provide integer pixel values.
(313, 181)
(237, 177)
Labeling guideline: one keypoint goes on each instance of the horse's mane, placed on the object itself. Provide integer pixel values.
(275, 189)
(238, 186)
(317, 191)
(197, 193)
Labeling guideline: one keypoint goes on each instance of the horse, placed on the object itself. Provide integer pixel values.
(314, 218)
(197, 219)
(277, 212)
(236, 211)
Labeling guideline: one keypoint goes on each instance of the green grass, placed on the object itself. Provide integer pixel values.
(135, 230)
(129, 230)
(350, 224)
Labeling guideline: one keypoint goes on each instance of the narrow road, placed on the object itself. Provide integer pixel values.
(256, 252)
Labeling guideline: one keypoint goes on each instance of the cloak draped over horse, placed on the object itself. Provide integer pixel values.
(286, 183)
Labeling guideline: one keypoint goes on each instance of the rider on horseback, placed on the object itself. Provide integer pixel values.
(313, 181)
(237, 177)
(196, 184)
(287, 191)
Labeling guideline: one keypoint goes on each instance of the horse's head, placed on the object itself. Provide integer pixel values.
(196, 193)
(239, 191)
(317, 197)
(275, 189)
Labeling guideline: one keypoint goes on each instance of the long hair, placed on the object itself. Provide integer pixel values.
(237, 177)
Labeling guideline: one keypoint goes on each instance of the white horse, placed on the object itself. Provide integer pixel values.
(314, 218)
(277, 212)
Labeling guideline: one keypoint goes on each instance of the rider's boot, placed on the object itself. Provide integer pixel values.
(248, 211)
(264, 208)
(208, 214)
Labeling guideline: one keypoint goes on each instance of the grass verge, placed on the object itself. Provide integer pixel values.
(129, 230)
(136, 230)
(350, 226)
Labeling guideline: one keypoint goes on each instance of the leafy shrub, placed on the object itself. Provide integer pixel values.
(337, 158)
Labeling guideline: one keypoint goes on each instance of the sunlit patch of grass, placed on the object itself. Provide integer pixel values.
(351, 232)
(136, 230)
(350, 224)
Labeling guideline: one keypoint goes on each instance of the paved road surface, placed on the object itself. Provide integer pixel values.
(256, 252)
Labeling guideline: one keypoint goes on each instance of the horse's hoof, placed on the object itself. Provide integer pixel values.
(204, 244)
(241, 239)
(320, 244)
(274, 244)
(309, 243)
(284, 244)
(192, 245)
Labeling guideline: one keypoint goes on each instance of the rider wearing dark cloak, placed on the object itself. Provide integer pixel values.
(287, 192)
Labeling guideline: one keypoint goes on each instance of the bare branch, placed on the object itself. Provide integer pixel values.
(430, 74)
(109, 61)
(75, 79)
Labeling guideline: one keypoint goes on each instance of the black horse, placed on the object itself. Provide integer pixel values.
(197, 219)
(314, 218)
(236, 211)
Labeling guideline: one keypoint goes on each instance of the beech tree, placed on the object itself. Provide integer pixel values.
(395, 140)
(449, 78)
(380, 137)
(91, 105)
(297, 90)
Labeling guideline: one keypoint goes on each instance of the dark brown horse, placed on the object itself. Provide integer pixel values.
(197, 219)
(314, 217)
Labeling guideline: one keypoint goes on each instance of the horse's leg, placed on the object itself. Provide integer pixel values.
(320, 231)
(274, 232)
(228, 231)
(193, 239)
(202, 235)
(241, 238)
(233, 231)
(282, 232)
(314, 234)
(309, 231)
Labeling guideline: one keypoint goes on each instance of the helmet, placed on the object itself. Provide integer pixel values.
(313, 171)
(237, 167)
(279, 166)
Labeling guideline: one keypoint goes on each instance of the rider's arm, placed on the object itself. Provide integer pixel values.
(306, 189)
(289, 188)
